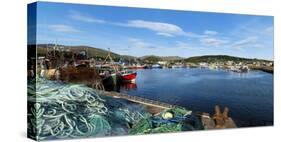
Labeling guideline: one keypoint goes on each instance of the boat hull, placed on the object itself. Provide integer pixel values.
(111, 80)
(136, 67)
(129, 77)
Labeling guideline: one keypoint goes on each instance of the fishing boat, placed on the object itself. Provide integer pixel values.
(177, 66)
(108, 71)
(156, 66)
(137, 66)
(128, 75)
(109, 75)
(239, 69)
(244, 69)
(213, 67)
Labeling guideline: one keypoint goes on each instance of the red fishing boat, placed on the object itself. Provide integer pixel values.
(128, 75)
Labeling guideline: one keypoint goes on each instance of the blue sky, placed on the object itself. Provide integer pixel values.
(139, 32)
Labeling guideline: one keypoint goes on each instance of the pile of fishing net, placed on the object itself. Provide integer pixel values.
(58, 110)
(172, 120)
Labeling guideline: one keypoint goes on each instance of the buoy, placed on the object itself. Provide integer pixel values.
(167, 115)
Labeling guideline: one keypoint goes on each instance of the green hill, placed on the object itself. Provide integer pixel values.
(91, 51)
(219, 58)
(151, 58)
(154, 59)
(101, 54)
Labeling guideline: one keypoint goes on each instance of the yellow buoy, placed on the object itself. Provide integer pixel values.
(167, 115)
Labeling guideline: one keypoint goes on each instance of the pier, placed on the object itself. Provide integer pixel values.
(263, 68)
(155, 107)
(140, 100)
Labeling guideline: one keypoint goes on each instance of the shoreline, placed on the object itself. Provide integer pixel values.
(264, 69)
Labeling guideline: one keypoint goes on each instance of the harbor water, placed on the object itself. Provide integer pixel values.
(249, 96)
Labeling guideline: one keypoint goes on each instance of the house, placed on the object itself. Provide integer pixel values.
(229, 63)
(162, 62)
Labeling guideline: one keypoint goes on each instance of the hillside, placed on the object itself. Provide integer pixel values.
(101, 54)
(153, 58)
(219, 58)
(91, 51)
(172, 58)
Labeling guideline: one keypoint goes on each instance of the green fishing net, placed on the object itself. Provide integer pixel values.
(59, 110)
(180, 119)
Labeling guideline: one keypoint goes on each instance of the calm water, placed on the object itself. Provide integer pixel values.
(249, 96)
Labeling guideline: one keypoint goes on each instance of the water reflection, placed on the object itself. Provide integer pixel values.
(115, 88)
(129, 86)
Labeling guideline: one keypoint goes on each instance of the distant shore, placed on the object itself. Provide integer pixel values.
(265, 69)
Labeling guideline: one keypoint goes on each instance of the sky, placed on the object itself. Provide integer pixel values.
(139, 32)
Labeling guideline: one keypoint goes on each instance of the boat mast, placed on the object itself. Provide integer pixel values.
(54, 51)
(108, 57)
(46, 56)
(111, 61)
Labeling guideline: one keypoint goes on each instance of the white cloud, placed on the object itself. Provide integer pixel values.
(139, 47)
(209, 32)
(165, 29)
(193, 35)
(183, 46)
(258, 45)
(209, 41)
(138, 43)
(165, 34)
(162, 29)
(246, 41)
(269, 30)
(63, 28)
(84, 18)
(253, 35)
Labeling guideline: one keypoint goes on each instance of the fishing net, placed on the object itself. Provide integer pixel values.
(58, 110)
(181, 120)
